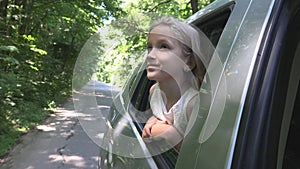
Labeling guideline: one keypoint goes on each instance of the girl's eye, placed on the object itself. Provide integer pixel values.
(164, 46)
(149, 48)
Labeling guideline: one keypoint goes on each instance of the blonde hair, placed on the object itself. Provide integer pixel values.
(193, 42)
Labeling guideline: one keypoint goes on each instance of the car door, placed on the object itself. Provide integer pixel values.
(262, 83)
(133, 104)
(239, 121)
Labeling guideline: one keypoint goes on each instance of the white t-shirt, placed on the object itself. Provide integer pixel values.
(177, 115)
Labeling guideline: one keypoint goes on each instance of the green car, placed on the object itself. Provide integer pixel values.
(247, 117)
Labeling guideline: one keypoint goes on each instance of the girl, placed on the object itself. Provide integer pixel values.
(174, 62)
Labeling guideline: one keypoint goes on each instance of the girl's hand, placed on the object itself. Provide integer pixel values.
(147, 130)
(160, 128)
(163, 131)
(148, 127)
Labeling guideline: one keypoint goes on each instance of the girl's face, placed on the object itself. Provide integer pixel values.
(165, 58)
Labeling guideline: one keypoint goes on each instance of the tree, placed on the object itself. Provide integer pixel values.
(132, 28)
(39, 45)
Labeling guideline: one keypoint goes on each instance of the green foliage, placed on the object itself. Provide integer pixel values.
(39, 45)
(125, 48)
(40, 42)
(8, 140)
(129, 34)
(86, 63)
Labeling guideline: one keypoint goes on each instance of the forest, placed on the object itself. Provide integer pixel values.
(41, 41)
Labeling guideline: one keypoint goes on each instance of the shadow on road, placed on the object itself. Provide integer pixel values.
(70, 137)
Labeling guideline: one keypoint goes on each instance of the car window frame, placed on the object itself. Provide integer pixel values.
(233, 39)
(268, 136)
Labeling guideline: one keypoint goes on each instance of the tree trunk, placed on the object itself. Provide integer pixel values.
(27, 7)
(194, 4)
(3, 6)
(3, 16)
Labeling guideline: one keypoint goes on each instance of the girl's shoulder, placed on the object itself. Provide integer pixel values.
(190, 93)
(153, 87)
(191, 100)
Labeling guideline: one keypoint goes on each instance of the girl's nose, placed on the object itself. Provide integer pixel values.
(151, 53)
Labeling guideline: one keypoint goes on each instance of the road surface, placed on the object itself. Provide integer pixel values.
(68, 139)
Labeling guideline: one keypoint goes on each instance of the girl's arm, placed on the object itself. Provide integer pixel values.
(168, 133)
(152, 120)
(148, 127)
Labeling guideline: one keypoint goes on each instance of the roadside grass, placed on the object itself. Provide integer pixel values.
(8, 140)
(23, 117)
(11, 136)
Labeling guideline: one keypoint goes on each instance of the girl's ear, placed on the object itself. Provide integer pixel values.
(191, 62)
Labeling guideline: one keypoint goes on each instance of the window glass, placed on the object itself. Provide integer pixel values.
(289, 149)
(292, 152)
(213, 26)
(291, 159)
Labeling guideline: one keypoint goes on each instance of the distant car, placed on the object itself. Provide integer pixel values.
(252, 112)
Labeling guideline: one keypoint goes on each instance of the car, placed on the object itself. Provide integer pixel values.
(248, 113)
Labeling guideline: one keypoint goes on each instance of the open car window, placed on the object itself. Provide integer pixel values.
(212, 25)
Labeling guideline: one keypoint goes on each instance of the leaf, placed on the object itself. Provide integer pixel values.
(10, 60)
(66, 18)
(9, 49)
(39, 51)
(34, 68)
(29, 37)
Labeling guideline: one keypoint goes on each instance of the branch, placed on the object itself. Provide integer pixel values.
(156, 6)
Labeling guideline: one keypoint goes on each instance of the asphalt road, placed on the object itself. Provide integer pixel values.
(68, 139)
